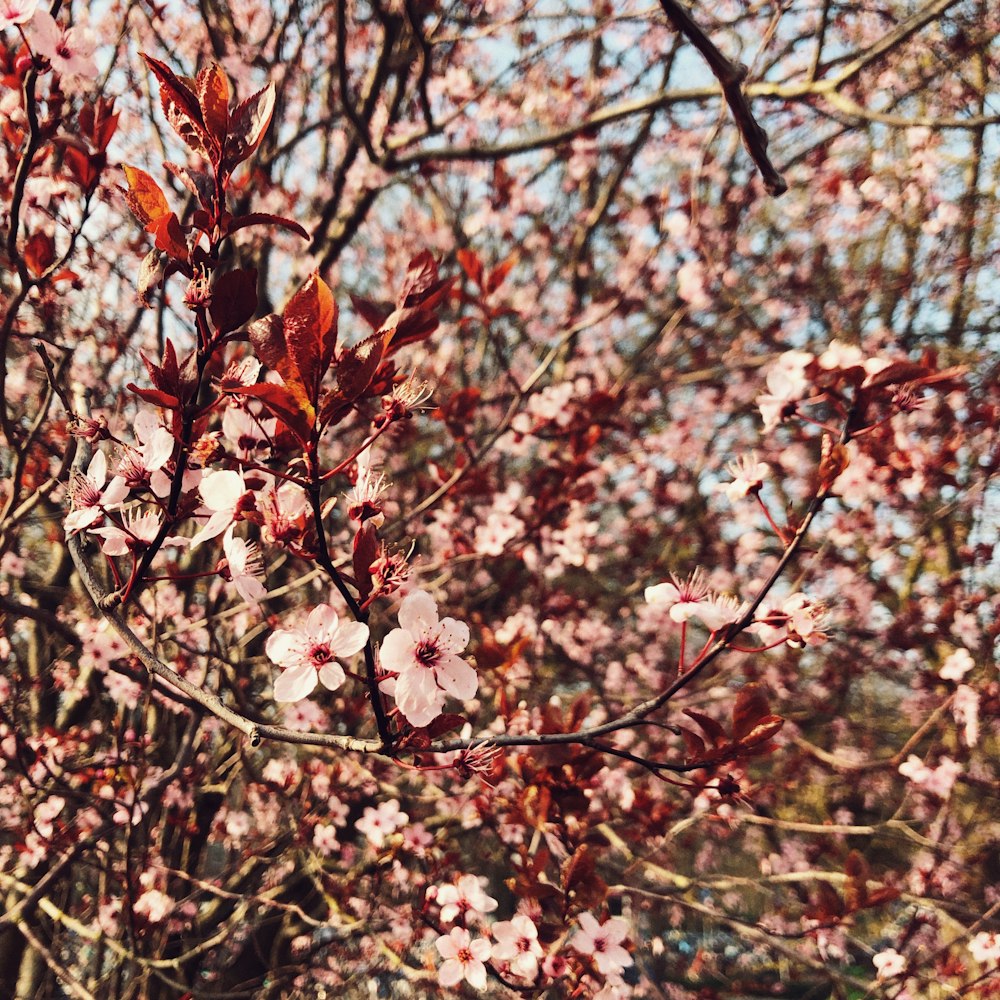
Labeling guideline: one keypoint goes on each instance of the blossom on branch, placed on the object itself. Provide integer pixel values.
(603, 942)
(457, 900)
(308, 654)
(517, 944)
(463, 959)
(423, 655)
(90, 497)
(70, 51)
(691, 598)
(16, 12)
(244, 566)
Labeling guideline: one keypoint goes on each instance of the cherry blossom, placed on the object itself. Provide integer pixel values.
(70, 51)
(90, 498)
(985, 947)
(936, 780)
(798, 620)
(423, 653)
(889, 963)
(957, 665)
(308, 654)
(223, 492)
(691, 598)
(603, 942)
(463, 959)
(244, 566)
(749, 474)
(137, 530)
(154, 905)
(468, 894)
(381, 822)
(16, 12)
(516, 942)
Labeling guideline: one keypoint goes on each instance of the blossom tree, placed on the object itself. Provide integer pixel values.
(499, 499)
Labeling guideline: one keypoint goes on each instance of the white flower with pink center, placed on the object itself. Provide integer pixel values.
(460, 899)
(423, 654)
(222, 491)
(245, 566)
(378, 824)
(16, 12)
(308, 655)
(691, 598)
(749, 474)
(463, 959)
(516, 942)
(889, 963)
(603, 942)
(985, 947)
(90, 497)
(70, 51)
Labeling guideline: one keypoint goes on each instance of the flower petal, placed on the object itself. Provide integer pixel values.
(417, 612)
(332, 675)
(349, 638)
(295, 683)
(457, 677)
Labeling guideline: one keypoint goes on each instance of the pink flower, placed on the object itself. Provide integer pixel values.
(965, 709)
(71, 52)
(248, 434)
(89, 496)
(308, 654)
(325, 839)
(377, 824)
(460, 899)
(283, 510)
(748, 476)
(603, 942)
(222, 492)
(422, 652)
(957, 665)
(245, 566)
(16, 12)
(154, 905)
(516, 942)
(463, 959)
(985, 947)
(889, 963)
(136, 532)
(798, 621)
(691, 598)
(937, 780)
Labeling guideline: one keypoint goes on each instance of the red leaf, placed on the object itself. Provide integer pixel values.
(169, 237)
(369, 312)
(310, 330)
(156, 396)
(247, 126)
(144, 196)
(180, 105)
(267, 335)
(751, 706)
(357, 366)
(694, 743)
(150, 275)
(472, 265)
(499, 274)
(200, 184)
(39, 252)
(213, 96)
(266, 219)
(767, 728)
(234, 299)
(709, 726)
(285, 405)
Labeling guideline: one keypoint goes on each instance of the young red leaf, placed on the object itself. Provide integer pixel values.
(751, 706)
(310, 330)
(357, 366)
(213, 96)
(247, 126)
(499, 274)
(169, 237)
(758, 740)
(180, 105)
(144, 196)
(156, 396)
(150, 275)
(286, 406)
(234, 299)
(709, 726)
(265, 219)
(372, 314)
(267, 335)
(693, 742)
(472, 265)
(199, 183)
(39, 252)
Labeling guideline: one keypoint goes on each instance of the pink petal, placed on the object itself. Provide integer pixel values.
(332, 676)
(397, 650)
(349, 638)
(295, 683)
(453, 635)
(284, 647)
(418, 696)
(417, 612)
(451, 973)
(457, 678)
